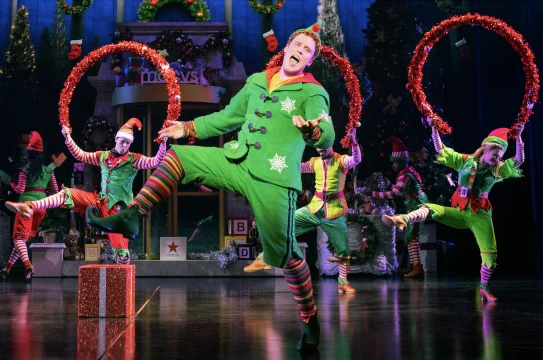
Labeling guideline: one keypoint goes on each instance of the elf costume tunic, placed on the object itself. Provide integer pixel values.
(264, 163)
(30, 188)
(471, 211)
(117, 177)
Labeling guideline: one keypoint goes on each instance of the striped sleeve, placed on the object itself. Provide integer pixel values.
(396, 191)
(306, 167)
(144, 162)
(350, 162)
(53, 184)
(519, 155)
(92, 158)
(21, 183)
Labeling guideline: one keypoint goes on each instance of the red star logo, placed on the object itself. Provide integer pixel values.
(173, 247)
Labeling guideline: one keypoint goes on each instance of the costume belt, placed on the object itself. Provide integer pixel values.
(42, 190)
(465, 192)
(330, 196)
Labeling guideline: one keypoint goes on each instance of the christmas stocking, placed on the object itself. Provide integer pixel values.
(75, 50)
(271, 40)
(462, 46)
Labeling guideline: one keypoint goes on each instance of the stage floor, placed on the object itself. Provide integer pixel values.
(255, 318)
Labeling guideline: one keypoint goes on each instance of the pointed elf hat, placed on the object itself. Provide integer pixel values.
(499, 137)
(36, 143)
(399, 151)
(126, 131)
(316, 27)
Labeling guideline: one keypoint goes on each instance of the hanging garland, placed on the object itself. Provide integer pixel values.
(351, 81)
(71, 10)
(98, 123)
(184, 49)
(198, 9)
(266, 9)
(414, 72)
(174, 92)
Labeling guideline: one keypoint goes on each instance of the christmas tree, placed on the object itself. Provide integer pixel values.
(59, 45)
(392, 34)
(18, 72)
(331, 35)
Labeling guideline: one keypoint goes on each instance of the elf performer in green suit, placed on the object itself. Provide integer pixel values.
(263, 164)
(328, 208)
(118, 169)
(33, 181)
(409, 187)
(470, 207)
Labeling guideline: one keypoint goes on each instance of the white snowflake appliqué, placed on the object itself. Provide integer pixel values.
(234, 146)
(278, 163)
(325, 116)
(288, 105)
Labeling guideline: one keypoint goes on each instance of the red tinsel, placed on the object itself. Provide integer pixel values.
(174, 93)
(531, 94)
(351, 81)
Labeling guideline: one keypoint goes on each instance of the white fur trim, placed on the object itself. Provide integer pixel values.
(125, 135)
(76, 42)
(268, 33)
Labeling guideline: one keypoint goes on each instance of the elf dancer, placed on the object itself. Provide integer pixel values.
(470, 207)
(263, 164)
(409, 186)
(33, 180)
(118, 167)
(328, 207)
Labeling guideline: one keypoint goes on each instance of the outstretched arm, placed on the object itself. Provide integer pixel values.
(92, 158)
(397, 188)
(144, 162)
(519, 155)
(438, 144)
(350, 162)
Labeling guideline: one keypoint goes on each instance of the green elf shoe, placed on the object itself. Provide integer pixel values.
(310, 335)
(125, 222)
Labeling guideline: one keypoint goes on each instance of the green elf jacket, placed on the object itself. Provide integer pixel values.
(33, 183)
(266, 126)
(117, 181)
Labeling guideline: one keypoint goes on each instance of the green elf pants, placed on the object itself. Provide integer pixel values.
(335, 229)
(480, 224)
(274, 206)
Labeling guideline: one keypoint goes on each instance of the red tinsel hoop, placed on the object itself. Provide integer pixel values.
(351, 81)
(174, 93)
(531, 89)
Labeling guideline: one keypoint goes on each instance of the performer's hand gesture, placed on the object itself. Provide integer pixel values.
(352, 134)
(305, 126)
(520, 127)
(174, 130)
(66, 131)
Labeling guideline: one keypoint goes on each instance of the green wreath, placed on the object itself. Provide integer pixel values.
(368, 245)
(266, 9)
(93, 123)
(71, 10)
(198, 9)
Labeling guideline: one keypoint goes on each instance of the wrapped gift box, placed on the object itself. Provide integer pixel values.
(111, 338)
(107, 291)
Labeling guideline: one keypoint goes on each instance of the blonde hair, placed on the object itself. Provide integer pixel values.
(312, 35)
(489, 147)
